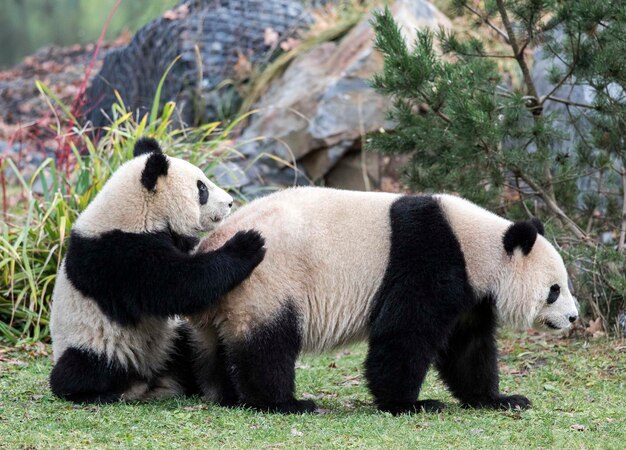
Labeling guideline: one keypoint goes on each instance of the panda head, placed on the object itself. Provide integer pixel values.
(155, 192)
(533, 288)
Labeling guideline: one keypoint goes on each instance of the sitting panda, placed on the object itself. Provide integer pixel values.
(128, 270)
(424, 279)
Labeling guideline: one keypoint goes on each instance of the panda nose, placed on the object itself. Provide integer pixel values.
(230, 204)
(572, 319)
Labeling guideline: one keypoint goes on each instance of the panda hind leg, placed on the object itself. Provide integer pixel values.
(262, 365)
(468, 364)
(81, 376)
(179, 376)
(216, 383)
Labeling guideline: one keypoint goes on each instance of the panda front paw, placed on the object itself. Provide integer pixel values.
(518, 402)
(513, 402)
(289, 407)
(246, 247)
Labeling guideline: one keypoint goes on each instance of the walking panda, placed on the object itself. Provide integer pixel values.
(128, 271)
(424, 279)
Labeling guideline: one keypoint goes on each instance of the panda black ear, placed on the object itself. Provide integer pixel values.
(522, 235)
(156, 165)
(146, 145)
(538, 225)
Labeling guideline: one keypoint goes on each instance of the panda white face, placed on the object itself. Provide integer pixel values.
(535, 291)
(154, 192)
(558, 309)
(188, 200)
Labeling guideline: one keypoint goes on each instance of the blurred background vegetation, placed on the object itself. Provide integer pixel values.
(27, 25)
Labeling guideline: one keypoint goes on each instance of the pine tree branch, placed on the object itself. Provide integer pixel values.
(485, 55)
(518, 51)
(552, 205)
(442, 116)
(534, 106)
(567, 75)
(570, 102)
(558, 85)
(436, 112)
(483, 17)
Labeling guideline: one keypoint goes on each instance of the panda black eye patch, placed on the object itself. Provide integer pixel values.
(555, 291)
(203, 193)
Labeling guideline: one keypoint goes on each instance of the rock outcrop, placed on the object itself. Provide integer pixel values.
(312, 120)
(219, 33)
(315, 116)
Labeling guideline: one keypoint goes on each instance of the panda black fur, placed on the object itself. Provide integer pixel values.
(129, 270)
(424, 279)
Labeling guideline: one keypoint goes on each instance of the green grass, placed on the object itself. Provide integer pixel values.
(578, 390)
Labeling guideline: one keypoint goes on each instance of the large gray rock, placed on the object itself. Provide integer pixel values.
(316, 114)
(225, 32)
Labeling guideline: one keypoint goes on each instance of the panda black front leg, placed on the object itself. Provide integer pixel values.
(262, 365)
(421, 293)
(395, 369)
(469, 362)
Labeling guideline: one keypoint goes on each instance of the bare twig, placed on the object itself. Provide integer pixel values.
(558, 85)
(518, 51)
(533, 105)
(483, 17)
(570, 102)
(596, 295)
(574, 123)
(485, 55)
(553, 206)
(364, 172)
(522, 196)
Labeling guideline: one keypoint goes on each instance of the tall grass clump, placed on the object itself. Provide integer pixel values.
(32, 236)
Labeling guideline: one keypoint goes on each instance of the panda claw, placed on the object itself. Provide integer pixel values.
(517, 402)
(514, 402)
(420, 406)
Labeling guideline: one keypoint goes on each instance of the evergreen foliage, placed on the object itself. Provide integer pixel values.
(468, 114)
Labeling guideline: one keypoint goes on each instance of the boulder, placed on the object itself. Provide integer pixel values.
(225, 35)
(318, 112)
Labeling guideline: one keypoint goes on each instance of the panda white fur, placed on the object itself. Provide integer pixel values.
(128, 271)
(424, 279)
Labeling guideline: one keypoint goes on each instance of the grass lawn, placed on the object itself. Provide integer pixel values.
(578, 389)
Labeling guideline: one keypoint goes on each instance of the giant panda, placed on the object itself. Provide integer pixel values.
(424, 279)
(128, 271)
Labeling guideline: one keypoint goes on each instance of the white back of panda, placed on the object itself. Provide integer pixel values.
(315, 238)
(328, 251)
